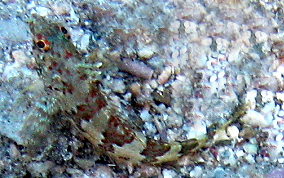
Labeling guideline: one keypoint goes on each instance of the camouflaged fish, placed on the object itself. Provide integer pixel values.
(73, 84)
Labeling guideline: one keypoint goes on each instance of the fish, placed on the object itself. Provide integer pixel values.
(72, 84)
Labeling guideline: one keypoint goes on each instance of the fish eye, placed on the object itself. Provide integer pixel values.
(40, 44)
(43, 45)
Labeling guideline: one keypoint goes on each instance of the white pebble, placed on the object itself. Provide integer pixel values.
(196, 172)
(222, 43)
(280, 96)
(250, 148)
(84, 42)
(181, 78)
(233, 132)
(261, 37)
(250, 159)
(146, 52)
(234, 55)
(145, 116)
(202, 62)
(30, 5)
(206, 41)
(175, 26)
(267, 96)
(60, 8)
(154, 84)
(254, 118)
(190, 27)
(213, 78)
(150, 127)
(251, 94)
(169, 173)
(250, 98)
(279, 137)
(281, 113)
(127, 96)
(240, 153)
(222, 83)
(221, 74)
(274, 150)
(175, 54)
(234, 27)
(42, 11)
(183, 50)
(76, 34)
(221, 135)
(73, 15)
(268, 108)
(199, 126)
(280, 160)
(20, 57)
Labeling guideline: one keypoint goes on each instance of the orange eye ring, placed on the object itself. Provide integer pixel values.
(43, 45)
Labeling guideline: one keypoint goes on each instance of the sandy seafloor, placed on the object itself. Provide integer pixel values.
(202, 59)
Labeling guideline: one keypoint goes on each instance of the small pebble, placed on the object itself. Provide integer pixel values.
(169, 173)
(281, 113)
(84, 42)
(280, 96)
(221, 135)
(146, 52)
(240, 153)
(190, 27)
(60, 8)
(279, 137)
(250, 159)
(221, 74)
(175, 54)
(261, 37)
(234, 27)
(267, 96)
(196, 172)
(181, 78)
(234, 55)
(118, 86)
(222, 43)
(206, 41)
(165, 75)
(213, 78)
(219, 173)
(250, 148)
(175, 26)
(233, 132)
(42, 11)
(20, 56)
(280, 160)
(145, 116)
(199, 126)
(250, 98)
(183, 50)
(154, 84)
(254, 118)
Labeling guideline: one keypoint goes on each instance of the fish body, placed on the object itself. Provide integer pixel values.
(74, 87)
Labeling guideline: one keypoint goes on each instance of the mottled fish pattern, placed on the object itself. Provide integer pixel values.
(73, 86)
